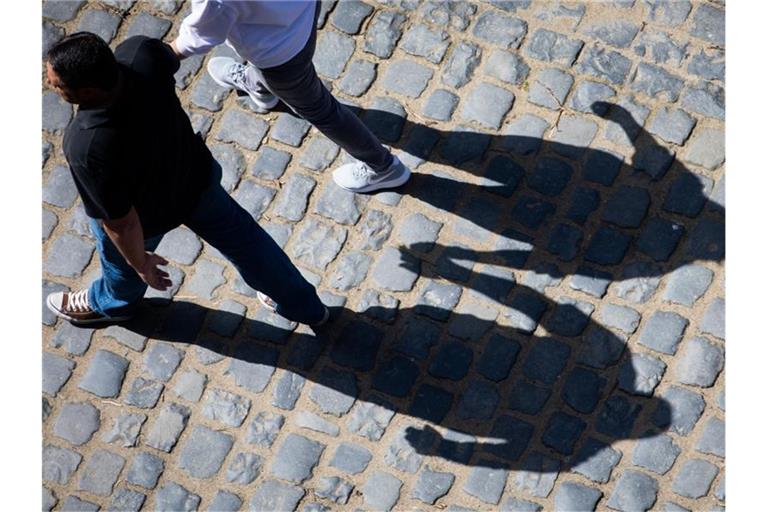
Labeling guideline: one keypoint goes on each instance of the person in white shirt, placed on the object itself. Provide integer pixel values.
(277, 39)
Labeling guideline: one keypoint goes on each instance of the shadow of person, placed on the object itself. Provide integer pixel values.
(450, 371)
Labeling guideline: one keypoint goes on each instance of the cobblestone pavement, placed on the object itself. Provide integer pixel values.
(535, 321)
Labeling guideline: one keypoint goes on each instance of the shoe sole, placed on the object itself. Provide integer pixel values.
(76, 322)
(262, 105)
(382, 184)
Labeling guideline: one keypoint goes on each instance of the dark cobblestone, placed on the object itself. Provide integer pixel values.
(685, 409)
(538, 477)
(349, 16)
(523, 134)
(125, 430)
(574, 496)
(381, 491)
(167, 428)
(147, 25)
(546, 361)
(670, 14)
(204, 452)
(570, 317)
(654, 81)
(172, 496)
(333, 52)
(706, 241)
(422, 41)
(338, 204)
(497, 29)
(602, 348)
(144, 393)
(527, 398)
(498, 358)
(104, 375)
(451, 361)
(585, 97)
(607, 246)
(659, 238)
(56, 372)
(583, 389)
(334, 392)
(351, 458)
(430, 403)
(370, 420)
(377, 305)
(68, 256)
(694, 479)
(358, 78)
(549, 88)
(461, 65)
(59, 464)
(274, 495)
(478, 401)
(633, 491)
(516, 432)
(700, 363)
(486, 483)
(627, 207)
(243, 128)
(180, 245)
(657, 453)
(639, 281)
(100, 473)
(385, 118)
(617, 417)
(292, 200)
(596, 460)
(562, 432)
(550, 46)
(456, 446)
(56, 113)
(383, 33)
(601, 62)
(615, 33)
(709, 24)
(145, 470)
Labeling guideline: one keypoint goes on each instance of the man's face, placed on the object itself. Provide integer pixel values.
(67, 94)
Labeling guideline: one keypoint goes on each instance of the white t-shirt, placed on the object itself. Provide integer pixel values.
(266, 33)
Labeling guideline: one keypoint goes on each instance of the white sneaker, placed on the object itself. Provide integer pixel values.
(227, 72)
(358, 177)
(271, 305)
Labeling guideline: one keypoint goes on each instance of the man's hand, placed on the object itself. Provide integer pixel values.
(152, 275)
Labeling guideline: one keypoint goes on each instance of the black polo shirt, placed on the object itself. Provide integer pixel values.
(140, 151)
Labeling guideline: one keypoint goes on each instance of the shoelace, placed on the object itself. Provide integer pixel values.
(78, 301)
(237, 74)
(360, 170)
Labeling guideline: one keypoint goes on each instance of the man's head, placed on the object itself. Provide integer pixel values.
(82, 69)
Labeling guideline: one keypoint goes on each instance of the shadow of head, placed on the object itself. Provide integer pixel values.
(478, 393)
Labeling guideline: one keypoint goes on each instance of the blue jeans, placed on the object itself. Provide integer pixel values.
(224, 224)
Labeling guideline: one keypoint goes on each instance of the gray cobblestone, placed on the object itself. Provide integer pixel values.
(700, 363)
(708, 64)
(228, 408)
(487, 105)
(707, 149)
(264, 428)
(619, 317)
(694, 479)
(381, 491)
(340, 205)
(505, 31)
(351, 458)
(672, 125)
(145, 470)
(292, 200)
(244, 468)
(208, 94)
(369, 419)
(349, 16)
(486, 483)
(549, 88)
(350, 271)
(207, 277)
(243, 128)
(523, 134)
(274, 495)
(125, 430)
(383, 33)
(687, 284)
(287, 391)
(100, 472)
(290, 129)
(538, 477)
(657, 453)
(167, 428)
(62, 11)
(319, 154)
(377, 305)
(49, 499)
(232, 164)
(685, 409)
(68, 256)
(204, 452)
(638, 282)
(56, 372)
(550, 46)
(314, 422)
(422, 41)
(712, 439)
(604, 63)
(56, 113)
(587, 94)
(358, 78)
(104, 375)
(404, 76)
(516, 505)
(432, 485)
(59, 464)
(705, 98)
(167, 7)
(334, 489)
(418, 230)
(253, 365)
(130, 339)
(709, 24)
(661, 48)
(77, 422)
(670, 14)
(460, 66)
(395, 270)
(573, 134)
(79, 222)
(270, 164)
(333, 52)
(454, 14)
(145, 24)
(226, 502)
(596, 460)
(52, 34)
(713, 321)
(633, 117)
(507, 67)
(615, 33)
(172, 496)
(374, 229)
(653, 81)
(75, 504)
(663, 332)
(334, 392)
(296, 458)
(144, 393)
(190, 385)
(180, 245)
(184, 76)
(633, 491)
(574, 496)
(127, 500)
(318, 244)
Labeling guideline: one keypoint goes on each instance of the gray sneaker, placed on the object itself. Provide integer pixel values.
(227, 72)
(271, 305)
(358, 177)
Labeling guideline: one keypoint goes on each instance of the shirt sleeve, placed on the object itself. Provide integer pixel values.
(205, 27)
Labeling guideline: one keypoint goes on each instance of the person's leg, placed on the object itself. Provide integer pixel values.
(224, 224)
(119, 289)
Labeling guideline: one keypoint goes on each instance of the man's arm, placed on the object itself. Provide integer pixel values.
(128, 236)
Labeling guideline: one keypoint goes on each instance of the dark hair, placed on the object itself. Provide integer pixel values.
(83, 59)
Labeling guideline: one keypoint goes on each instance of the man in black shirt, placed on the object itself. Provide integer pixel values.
(142, 171)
